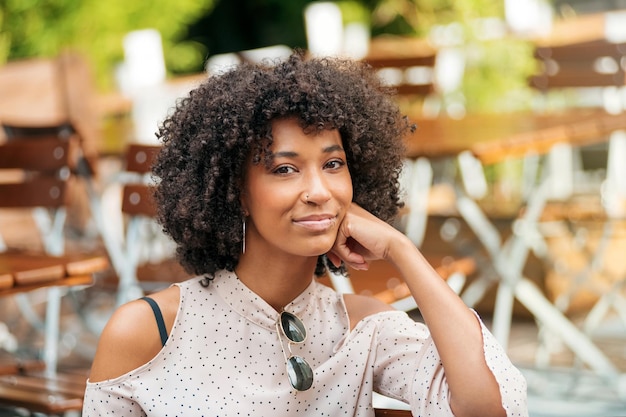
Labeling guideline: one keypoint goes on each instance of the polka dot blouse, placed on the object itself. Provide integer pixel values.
(224, 358)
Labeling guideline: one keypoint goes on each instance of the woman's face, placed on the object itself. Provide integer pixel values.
(296, 203)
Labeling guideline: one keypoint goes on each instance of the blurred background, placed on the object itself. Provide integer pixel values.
(515, 183)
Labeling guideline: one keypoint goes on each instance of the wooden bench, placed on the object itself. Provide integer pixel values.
(43, 394)
(37, 167)
(11, 364)
(24, 383)
(37, 392)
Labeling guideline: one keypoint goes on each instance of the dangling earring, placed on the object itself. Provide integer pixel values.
(243, 245)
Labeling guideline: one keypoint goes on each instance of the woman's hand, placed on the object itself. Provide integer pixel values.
(362, 237)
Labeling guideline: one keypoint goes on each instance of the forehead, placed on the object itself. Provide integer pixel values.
(291, 129)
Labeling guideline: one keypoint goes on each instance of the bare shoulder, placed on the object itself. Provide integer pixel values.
(131, 336)
(361, 306)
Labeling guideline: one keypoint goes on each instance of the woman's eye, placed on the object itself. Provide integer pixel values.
(283, 169)
(335, 163)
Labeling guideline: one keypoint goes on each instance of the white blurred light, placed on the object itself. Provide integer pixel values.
(324, 28)
(615, 26)
(529, 17)
(356, 40)
(143, 59)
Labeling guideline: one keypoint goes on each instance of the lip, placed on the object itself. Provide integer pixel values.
(317, 222)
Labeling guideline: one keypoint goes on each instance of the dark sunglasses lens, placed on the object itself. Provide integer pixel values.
(292, 327)
(300, 373)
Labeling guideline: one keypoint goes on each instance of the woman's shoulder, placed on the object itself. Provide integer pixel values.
(361, 306)
(131, 336)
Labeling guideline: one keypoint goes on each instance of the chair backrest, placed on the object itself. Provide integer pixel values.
(144, 260)
(407, 65)
(595, 63)
(37, 174)
(41, 169)
(136, 197)
(40, 92)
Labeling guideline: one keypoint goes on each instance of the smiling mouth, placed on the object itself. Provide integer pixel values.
(319, 225)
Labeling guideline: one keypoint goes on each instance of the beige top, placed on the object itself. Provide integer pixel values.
(224, 358)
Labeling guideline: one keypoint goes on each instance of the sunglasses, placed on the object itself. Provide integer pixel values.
(299, 371)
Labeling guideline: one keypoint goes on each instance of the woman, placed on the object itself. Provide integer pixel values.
(269, 175)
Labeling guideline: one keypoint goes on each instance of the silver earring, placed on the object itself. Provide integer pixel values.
(307, 198)
(243, 245)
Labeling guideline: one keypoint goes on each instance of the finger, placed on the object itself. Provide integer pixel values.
(334, 259)
(345, 253)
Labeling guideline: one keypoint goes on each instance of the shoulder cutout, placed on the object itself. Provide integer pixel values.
(361, 306)
(131, 337)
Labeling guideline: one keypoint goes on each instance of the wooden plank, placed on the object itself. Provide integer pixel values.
(30, 93)
(74, 264)
(387, 46)
(12, 364)
(400, 61)
(59, 383)
(580, 52)
(37, 192)
(139, 158)
(85, 265)
(137, 200)
(582, 78)
(385, 282)
(580, 28)
(64, 282)
(48, 153)
(493, 138)
(31, 270)
(6, 280)
(465, 266)
(39, 401)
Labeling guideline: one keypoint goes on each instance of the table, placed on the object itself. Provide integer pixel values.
(490, 139)
(22, 272)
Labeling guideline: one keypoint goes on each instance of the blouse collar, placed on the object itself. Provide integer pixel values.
(255, 309)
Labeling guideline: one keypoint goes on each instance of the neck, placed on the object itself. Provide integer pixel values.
(278, 283)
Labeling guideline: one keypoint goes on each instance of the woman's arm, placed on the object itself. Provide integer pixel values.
(455, 329)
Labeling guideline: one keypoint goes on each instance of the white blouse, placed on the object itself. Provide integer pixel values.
(223, 358)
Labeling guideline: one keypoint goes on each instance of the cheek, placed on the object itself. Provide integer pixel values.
(270, 200)
(346, 191)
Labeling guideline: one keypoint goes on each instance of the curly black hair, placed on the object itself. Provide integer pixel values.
(211, 133)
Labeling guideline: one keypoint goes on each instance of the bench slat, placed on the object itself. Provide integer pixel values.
(39, 401)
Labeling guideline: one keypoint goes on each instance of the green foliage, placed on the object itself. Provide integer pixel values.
(496, 75)
(35, 28)
(497, 67)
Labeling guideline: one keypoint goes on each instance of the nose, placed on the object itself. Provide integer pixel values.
(316, 190)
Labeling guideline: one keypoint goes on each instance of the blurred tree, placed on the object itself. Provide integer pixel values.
(193, 29)
(497, 66)
(30, 28)
(237, 25)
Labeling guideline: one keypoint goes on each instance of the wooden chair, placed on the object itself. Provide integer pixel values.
(36, 174)
(31, 383)
(40, 92)
(141, 254)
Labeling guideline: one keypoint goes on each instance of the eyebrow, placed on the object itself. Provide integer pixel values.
(291, 154)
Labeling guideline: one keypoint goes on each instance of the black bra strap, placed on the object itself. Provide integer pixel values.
(159, 319)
